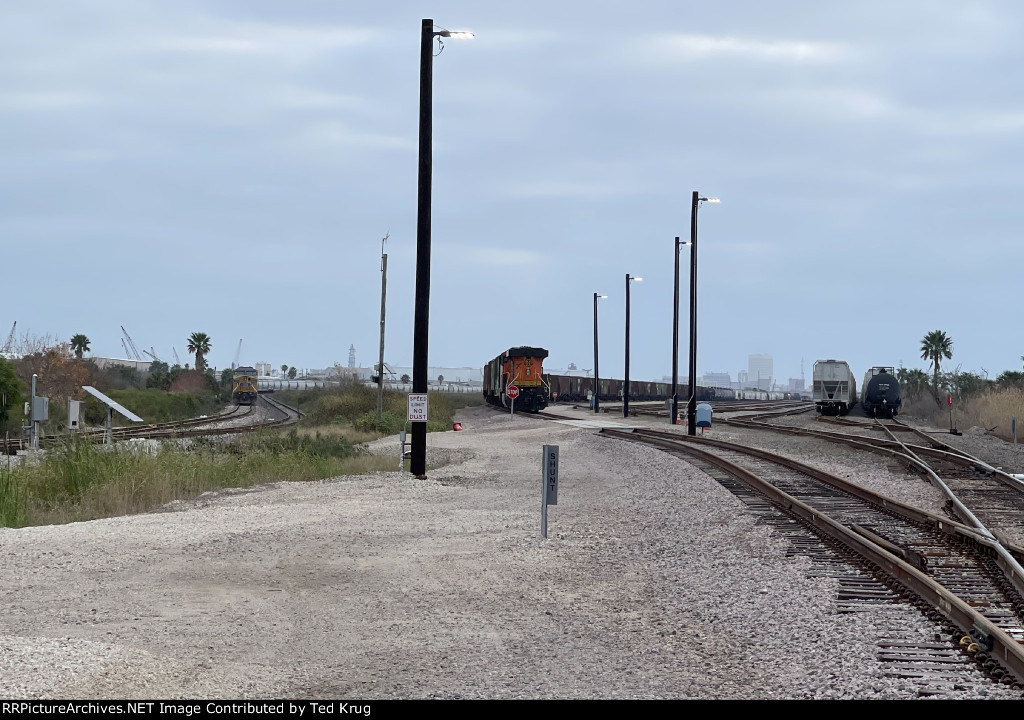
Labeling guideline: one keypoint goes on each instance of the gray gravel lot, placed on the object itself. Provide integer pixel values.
(654, 583)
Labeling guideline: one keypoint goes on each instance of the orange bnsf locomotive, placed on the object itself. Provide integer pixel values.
(522, 367)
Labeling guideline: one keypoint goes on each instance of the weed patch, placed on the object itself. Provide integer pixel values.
(82, 481)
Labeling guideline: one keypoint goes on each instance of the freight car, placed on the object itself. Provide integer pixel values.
(522, 367)
(834, 387)
(576, 389)
(244, 386)
(880, 393)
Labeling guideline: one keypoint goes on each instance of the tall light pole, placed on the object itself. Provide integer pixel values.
(597, 376)
(674, 414)
(691, 404)
(625, 385)
(418, 465)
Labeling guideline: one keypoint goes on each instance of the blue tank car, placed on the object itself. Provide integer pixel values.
(880, 393)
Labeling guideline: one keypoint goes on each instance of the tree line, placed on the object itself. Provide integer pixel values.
(937, 346)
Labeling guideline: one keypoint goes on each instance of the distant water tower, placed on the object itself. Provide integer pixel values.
(352, 356)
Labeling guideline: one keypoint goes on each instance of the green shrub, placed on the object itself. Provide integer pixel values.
(356, 404)
(391, 423)
(316, 445)
(347, 405)
(154, 405)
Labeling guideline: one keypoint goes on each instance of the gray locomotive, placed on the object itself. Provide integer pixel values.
(880, 393)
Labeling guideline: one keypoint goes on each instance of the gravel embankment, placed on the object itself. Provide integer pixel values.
(654, 583)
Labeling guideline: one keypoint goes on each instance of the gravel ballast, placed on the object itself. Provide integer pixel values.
(654, 582)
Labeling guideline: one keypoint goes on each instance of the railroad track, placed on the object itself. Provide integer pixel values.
(949, 570)
(977, 493)
(212, 425)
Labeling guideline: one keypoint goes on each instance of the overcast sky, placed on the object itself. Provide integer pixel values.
(231, 167)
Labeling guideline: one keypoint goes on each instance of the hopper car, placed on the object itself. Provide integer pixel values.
(523, 367)
(834, 387)
(575, 389)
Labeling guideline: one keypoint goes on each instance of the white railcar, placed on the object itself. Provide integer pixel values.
(834, 387)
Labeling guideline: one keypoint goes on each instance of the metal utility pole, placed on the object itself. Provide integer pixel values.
(674, 414)
(34, 433)
(597, 375)
(625, 385)
(418, 464)
(383, 296)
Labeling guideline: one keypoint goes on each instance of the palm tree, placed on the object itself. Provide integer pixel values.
(912, 382)
(199, 343)
(80, 344)
(935, 346)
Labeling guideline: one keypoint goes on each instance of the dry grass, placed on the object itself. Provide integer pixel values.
(993, 411)
(344, 432)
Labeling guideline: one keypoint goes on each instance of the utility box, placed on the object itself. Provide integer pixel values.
(704, 415)
(74, 414)
(40, 409)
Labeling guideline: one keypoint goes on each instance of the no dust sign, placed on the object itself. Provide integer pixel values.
(417, 407)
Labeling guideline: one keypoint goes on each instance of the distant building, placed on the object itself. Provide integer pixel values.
(572, 372)
(453, 376)
(796, 384)
(760, 371)
(263, 369)
(716, 379)
(138, 365)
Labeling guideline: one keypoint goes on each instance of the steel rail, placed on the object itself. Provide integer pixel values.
(998, 643)
(1006, 561)
(1008, 555)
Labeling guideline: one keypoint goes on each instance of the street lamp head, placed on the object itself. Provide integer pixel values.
(710, 200)
(637, 279)
(458, 34)
(600, 297)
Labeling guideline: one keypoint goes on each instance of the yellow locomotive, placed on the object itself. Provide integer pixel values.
(244, 390)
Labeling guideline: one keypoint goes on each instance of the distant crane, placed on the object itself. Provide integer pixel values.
(177, 361)
(238, 354)
(152, 353)
(130, 347)
(10, 339)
